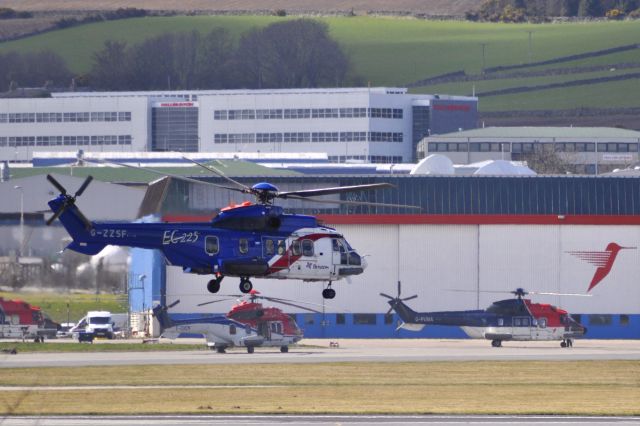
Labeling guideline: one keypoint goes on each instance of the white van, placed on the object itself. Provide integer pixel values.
(96, 323)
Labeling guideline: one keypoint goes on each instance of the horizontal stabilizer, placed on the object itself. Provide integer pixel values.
(411, 327)
(86, 248)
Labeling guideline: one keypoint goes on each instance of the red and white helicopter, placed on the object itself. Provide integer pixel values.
(248, 324)
(516, 319)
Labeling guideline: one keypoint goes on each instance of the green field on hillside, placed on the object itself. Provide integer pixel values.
(55, 304)
(385, 51)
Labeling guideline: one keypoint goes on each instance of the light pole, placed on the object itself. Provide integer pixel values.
(18, 187)
(484, 46)
(530, 50)
(141, 278)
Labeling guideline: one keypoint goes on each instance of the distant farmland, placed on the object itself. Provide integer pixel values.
(399, 51)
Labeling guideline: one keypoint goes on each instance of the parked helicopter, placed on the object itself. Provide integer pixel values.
(248, 324)
(511, 319)
(249, 240)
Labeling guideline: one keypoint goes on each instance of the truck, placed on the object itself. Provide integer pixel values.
(21, 320)
(94, 324)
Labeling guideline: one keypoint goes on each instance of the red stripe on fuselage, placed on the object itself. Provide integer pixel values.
(288, 258)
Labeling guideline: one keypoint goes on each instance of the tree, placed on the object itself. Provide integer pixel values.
(545, 160)
(110, 67)
(590, 8)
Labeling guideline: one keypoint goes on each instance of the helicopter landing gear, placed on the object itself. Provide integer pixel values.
(250, 349)
(214, 285)
(221, 349)
(284, 349)
(328, 293)
(496, 343)
(245, 285)
(568, 343)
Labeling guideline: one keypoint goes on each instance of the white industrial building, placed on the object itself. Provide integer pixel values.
(381, 125)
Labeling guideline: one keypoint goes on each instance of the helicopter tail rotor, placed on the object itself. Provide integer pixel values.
(396, 301)
(68, 201)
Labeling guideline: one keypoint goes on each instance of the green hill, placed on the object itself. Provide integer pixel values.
(398, 51)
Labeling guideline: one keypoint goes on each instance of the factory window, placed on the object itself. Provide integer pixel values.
(3, 141)
(242, 114)
(268, 114)
(268, 137)
(325, 113)
(220, 114)
(211, 245)
(624, 319)
(297, 137)
(243, 245)
(325, 137)
(297, 113)
(599, 319)
(124, 116)
(3, 118)
(388, 318)
(220, 138)
(241, 138)
(340, 319)
(364, 319)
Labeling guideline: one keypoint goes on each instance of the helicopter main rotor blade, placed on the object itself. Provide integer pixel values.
(561, 294)
(57, 184)
(219, 173)
(334, 190)
(213, 301)
(387, 296)
(84, 185)
(353, 203)
(158, 172)
(299, 306)
(277, 299)
(409, 298)
(173, 304)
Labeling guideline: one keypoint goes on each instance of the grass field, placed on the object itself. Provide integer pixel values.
(97, 346)
(581, 387)
(55, 304)
(386, 51)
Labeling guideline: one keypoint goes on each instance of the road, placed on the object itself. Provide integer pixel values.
(348, 350)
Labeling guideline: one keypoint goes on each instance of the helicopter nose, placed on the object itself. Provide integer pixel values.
(363, 262)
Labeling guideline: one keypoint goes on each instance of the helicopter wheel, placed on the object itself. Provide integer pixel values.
(328, 293)
(250, 349)
(221, 349)
(563, 344)
(284, 349)
(496, 343)
(245, 285)
(213, 286)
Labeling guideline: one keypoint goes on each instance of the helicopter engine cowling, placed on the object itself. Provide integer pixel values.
(245, 267)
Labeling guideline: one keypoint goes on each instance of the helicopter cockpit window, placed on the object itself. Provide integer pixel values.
(307, 248)
(244, 245)
(269, 247)
(232, 329)
(296, 248)
(542, 322)
(211, 245)
(276, 327)
(337, 245)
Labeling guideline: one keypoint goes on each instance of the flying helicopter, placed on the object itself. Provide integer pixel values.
(249, 240)
(248, 324)
(512, 319)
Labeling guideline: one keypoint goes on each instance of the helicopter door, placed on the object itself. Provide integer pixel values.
(276, 327)
(272, 246)
(340, 255)
(521, 328)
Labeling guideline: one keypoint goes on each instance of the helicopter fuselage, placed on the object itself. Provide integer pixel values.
(246, 241)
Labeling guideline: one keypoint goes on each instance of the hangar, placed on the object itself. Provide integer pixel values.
(474, 234)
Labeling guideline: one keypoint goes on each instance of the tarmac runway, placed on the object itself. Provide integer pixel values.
(347, 350)
(314, 420)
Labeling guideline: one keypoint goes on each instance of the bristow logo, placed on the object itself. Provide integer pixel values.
(603, 260)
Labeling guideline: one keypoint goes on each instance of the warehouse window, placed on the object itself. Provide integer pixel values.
(308, 319)
(364, 319)
(599, 319)
(340, 319)
(388, 318)
(624, 319)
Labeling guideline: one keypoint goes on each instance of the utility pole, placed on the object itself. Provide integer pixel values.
(530, 48)
(18, 187)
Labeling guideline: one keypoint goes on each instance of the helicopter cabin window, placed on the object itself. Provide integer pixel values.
(232, 329)
(269, 247)
(307, 248)
(211, 245)
(244, 245)
(276, 327)
(281, 247)
(296, 248)
(500, 322)
(542, 322)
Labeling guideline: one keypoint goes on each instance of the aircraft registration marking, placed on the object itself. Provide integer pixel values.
(176, 237)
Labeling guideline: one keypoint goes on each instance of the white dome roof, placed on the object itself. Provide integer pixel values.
(435, 164)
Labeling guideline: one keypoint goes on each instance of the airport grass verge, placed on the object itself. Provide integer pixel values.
(97, 346)
(474, 387)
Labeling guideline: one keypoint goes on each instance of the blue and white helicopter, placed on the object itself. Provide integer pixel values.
(251, 240)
